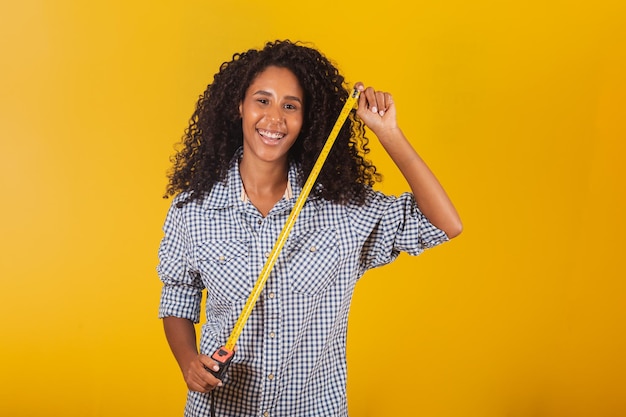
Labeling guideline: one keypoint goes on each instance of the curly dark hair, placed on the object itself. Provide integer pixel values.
(215, 133)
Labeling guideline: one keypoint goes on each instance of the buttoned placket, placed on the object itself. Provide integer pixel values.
(268, 234)
(264, 232)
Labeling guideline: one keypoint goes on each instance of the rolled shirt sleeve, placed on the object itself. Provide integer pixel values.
(393, 225)
(181, 294)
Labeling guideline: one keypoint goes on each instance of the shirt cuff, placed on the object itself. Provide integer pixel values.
(180, 301)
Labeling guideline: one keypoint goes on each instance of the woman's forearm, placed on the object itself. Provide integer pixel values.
(181, 336)
(430, 196)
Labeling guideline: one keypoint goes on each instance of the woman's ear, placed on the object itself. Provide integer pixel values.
(240, 108)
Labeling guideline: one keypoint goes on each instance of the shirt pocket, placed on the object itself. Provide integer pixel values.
(313, 262)
(224, 269)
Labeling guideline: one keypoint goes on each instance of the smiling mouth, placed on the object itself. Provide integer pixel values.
(271, 135)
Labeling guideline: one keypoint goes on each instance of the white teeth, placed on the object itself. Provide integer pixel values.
(271, 135)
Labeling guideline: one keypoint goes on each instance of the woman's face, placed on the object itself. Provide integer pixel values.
(271, 112)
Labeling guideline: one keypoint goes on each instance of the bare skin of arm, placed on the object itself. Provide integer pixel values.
(181, 336)
(378, 112)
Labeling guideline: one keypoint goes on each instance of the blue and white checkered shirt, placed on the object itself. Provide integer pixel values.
(291, 355)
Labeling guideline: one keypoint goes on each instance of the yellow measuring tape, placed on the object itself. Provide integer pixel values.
(224, 354)
(284, 234)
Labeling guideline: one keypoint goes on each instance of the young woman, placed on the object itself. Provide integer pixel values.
(246, 154)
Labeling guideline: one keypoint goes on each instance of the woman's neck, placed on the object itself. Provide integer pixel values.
(263, 177)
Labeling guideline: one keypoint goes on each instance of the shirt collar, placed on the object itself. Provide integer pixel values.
(230, 192)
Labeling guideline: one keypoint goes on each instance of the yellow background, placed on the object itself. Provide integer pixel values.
(519, 108)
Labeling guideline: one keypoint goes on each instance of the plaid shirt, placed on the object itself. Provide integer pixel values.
(291, 355)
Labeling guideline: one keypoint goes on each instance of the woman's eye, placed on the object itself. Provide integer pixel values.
(262, 101)
(290, 107)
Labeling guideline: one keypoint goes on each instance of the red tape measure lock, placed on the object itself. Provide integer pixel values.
(222, 357)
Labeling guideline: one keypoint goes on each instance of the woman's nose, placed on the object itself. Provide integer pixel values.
(274, 114)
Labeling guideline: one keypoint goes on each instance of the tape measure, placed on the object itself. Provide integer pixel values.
(224, 354)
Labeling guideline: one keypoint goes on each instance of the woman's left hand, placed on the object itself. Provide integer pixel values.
(376, 109)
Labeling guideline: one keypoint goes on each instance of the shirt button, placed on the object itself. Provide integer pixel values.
(313, 249)
(270, 376)
(222, 258)
(272, 295)
(260, 221)
(266, 414)
(267, 254)
(272, 335)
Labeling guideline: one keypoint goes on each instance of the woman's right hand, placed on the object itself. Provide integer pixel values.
(198, 377)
